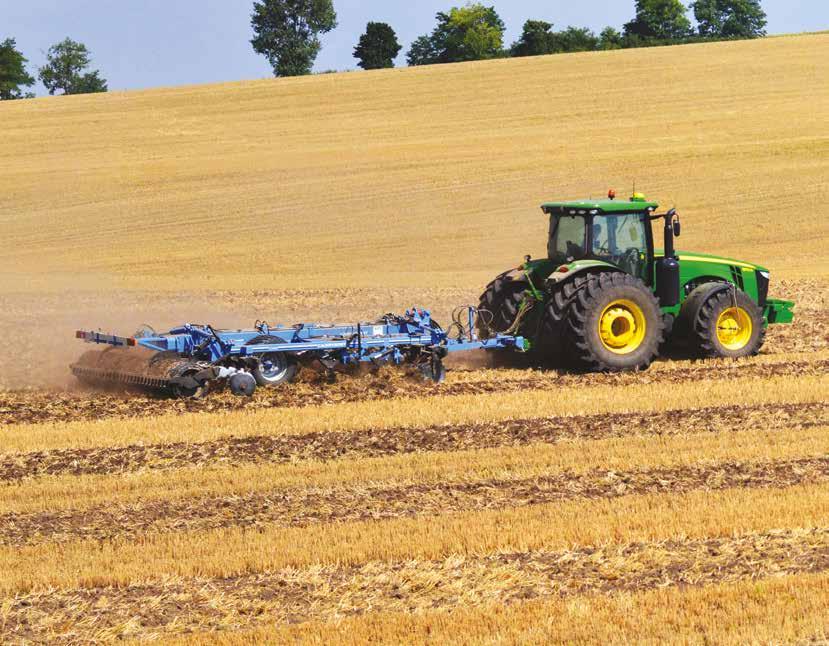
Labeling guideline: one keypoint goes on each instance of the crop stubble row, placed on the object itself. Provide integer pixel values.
(391, 441)
(24, 407)
(330, 593)
(304, 507)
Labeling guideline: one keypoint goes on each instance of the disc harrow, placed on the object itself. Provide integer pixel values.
(192, 360)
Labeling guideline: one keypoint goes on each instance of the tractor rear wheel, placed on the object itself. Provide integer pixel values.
(498, 311)
(613, 323)
(500, 303)
(552, 340)
(729, 324)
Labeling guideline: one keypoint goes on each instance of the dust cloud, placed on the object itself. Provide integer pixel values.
(39, 329)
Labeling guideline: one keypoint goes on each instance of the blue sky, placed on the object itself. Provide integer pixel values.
(149, 43)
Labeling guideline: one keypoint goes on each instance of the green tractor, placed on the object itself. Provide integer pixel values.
(605, 300)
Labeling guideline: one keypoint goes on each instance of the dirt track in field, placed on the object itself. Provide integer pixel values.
(371, 443)
(22, 407)
(302, 507)
(328, 593)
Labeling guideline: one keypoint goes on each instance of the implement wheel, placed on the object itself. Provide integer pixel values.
(184, 383)
(613, 324)
(275, 368)
(729, 324)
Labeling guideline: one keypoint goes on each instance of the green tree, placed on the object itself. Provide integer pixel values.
(65, 70)
(610, 38)
(422, 52)
(470, 33)
(729, 18)
(536, 39)
(575, 39)
(287, 32)
(378, 47)
(13, 74)
(663, 20)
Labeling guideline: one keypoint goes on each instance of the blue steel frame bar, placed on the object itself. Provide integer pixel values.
(365, 342)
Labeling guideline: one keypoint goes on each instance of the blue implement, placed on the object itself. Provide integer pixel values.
(200, 356)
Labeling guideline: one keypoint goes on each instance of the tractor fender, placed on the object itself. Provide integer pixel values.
(580, 268)
(689, 312)
(514, 274)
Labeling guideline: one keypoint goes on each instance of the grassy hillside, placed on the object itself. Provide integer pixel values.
(427, 177)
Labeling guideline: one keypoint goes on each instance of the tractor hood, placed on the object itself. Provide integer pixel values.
(708, 259)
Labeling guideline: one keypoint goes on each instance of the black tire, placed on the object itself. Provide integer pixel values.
(498, 309)
(606, 310)
(552, 338)
(499, 304)
(713, 327)
(274, 369)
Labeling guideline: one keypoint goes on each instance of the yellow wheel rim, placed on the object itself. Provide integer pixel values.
(622, 326)
(734, 328)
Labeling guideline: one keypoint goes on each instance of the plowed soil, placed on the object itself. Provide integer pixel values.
(28, 407)
(310, 506)
(380, 442)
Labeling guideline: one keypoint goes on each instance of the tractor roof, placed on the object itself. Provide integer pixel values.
(636, 204)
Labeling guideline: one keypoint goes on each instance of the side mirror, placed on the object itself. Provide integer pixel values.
(677, 228)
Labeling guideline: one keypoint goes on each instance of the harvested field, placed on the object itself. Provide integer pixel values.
(335, 593)
(256, 531)
(412, 171)
(688, 503)
(393, 441)
(44, 406)
(287, 508)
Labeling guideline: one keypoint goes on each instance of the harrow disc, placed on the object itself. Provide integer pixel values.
(129, 367)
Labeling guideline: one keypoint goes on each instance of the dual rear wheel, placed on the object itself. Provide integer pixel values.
(606, 322)
(611, 322)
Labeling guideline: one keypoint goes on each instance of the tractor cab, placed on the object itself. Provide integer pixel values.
(617, 232)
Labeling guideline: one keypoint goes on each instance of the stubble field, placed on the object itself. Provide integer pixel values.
(503, 506)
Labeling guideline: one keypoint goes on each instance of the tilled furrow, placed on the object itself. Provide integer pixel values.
(384, 442)
(308, 506)
(328, 593)
(39, 407)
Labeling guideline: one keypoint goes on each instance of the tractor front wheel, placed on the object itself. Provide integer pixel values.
(729, 324)
(613, 324)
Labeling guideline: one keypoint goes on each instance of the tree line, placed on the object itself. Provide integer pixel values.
(287, 33)
(66, 71)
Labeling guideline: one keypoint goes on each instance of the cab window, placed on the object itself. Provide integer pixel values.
(621, 240)
(568, 238)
